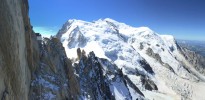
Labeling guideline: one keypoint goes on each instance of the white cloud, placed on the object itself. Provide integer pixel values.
(46, 31)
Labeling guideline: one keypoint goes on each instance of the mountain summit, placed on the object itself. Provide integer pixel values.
(148, 59)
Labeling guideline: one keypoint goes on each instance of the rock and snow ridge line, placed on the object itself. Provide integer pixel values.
(127, 46)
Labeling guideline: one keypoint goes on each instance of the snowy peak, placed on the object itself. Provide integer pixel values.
(110, 20)
(150, 61)
(107, 22)
(106, 25)
(111, 39)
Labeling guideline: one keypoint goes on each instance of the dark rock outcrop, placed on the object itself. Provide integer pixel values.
(54, 77)
(79, 53)
(93, 83)
(156, 56)
(148, 84)
(98, 77)
(131, 84)
(146, 66)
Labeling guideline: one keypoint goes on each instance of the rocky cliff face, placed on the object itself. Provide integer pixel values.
(31, 69)
(15, 73)
(54, 76)
(100, 80)
(196, 60)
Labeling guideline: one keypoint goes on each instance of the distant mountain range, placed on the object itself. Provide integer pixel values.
(197, 46)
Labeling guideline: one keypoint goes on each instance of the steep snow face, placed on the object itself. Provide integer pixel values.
(139, 52)
(104, 38)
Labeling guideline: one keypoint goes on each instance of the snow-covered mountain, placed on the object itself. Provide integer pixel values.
(127, 63)
(152, 63)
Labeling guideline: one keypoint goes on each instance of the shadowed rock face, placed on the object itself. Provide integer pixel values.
(194, 59)
(98, 78)
(76, 36)
(14, 61)
(154, 55)
(157, 57)
(92, 81)
(148, 84)
(54, 77)
(131, 84)
(146, 66)
(28, 69)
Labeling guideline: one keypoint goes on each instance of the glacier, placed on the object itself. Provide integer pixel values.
(140, 53)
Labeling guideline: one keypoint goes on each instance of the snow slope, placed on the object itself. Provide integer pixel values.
(127, 47)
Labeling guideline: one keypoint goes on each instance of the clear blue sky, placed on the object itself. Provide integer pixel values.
(185, 19)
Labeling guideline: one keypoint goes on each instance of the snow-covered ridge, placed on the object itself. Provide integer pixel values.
(131, 48)
(101, 28)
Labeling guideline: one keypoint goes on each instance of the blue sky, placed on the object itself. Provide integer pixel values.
(185, 19)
